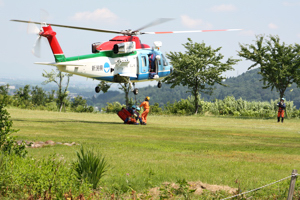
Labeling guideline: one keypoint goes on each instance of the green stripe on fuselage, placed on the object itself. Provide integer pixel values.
(111, 54)
(59, 57)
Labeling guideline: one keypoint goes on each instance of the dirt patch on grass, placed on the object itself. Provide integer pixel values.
(198, 186)
(40, 144)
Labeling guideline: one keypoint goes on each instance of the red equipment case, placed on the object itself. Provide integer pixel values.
(123, 114)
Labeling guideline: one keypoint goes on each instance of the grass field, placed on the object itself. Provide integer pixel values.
(213, 150)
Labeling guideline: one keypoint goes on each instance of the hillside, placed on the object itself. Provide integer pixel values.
(246, 86)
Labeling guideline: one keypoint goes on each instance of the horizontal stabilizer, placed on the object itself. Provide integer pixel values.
(58, 64)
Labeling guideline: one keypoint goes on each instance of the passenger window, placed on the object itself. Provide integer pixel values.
(144, 63)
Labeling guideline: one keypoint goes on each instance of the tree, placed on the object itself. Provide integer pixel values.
(22, 96)
(57, 78)
(50, 96)
(4, 89)
(79, 105)
(38, 96)
(199, 68)
(279, 63)
(78, 101)
(4, 94)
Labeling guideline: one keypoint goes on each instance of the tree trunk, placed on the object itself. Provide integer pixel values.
(59, 91)
(126, 90)
(281, 93)
(196, 93)
(60, 108)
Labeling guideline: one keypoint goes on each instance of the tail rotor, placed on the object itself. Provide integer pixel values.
(33, 29)
(36, 50)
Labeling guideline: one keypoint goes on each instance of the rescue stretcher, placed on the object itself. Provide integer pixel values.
(124, 114)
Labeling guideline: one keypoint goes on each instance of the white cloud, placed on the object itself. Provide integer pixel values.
(247, 33)
(224, 8)
(194, 23)
(272, 26)
(103, 14)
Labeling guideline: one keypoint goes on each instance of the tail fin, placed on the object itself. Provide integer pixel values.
(56, 49)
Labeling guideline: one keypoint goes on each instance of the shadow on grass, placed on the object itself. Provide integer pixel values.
(68, 121)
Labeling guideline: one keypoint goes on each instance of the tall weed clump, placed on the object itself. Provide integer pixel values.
(230, 106)
(90, 166)
(48, 178)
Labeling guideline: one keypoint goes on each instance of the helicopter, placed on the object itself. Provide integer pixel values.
(123, 59)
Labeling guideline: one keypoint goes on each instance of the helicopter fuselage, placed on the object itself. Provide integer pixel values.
(109, 67)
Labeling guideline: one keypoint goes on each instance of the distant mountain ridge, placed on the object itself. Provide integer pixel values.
(246, 86)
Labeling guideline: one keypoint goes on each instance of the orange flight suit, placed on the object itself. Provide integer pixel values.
(132, 120)
(146, 106)
(281, 108)
(280, 112)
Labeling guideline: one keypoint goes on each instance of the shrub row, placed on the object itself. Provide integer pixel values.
(38, 99)
(229, 106)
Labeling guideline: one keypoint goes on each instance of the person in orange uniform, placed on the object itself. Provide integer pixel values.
(281, 108)
(146, 106)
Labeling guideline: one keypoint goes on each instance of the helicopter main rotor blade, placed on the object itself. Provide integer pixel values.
(73, 27)
(154, 23)
(129, 32)
(196, 31)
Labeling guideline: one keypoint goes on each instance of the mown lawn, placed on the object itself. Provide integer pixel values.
(213, 150)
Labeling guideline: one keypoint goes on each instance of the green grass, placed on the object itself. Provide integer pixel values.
(213, 150)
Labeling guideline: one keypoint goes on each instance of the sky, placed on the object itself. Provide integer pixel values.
(276, 17)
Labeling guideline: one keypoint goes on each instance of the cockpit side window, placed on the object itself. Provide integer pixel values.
(165, 62)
